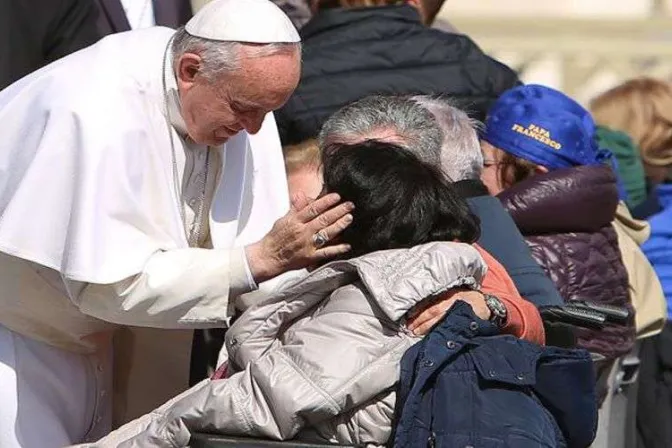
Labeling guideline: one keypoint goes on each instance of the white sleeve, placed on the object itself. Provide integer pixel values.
(182, 288)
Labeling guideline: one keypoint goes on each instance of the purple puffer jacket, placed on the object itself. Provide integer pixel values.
(565, 216)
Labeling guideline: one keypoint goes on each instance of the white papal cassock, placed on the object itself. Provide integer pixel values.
(91, 233)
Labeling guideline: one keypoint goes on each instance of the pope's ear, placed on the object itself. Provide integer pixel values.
(187, 68)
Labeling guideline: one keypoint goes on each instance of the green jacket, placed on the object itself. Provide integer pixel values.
(630, 168)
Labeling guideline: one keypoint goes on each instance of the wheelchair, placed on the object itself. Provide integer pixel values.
(559, 324)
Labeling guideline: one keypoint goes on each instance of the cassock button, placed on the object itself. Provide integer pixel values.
(192, 202)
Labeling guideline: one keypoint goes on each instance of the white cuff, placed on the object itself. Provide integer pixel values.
(242, 279)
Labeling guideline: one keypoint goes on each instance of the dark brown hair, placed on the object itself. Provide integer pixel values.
(400, 201)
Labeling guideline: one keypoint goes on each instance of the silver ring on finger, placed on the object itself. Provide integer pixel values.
(320, 239)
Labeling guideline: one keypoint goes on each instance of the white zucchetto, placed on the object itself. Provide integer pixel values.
(250, 21)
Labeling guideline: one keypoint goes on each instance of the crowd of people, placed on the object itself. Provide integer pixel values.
(361, 220)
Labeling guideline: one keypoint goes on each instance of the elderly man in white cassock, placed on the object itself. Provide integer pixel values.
(142, 183)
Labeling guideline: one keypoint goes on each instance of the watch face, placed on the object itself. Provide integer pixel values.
(496, 306)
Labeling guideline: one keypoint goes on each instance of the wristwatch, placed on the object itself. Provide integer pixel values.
(498, 314)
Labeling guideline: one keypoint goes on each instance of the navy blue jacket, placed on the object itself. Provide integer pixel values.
(464, 385)
(650, 206)
(502, 239)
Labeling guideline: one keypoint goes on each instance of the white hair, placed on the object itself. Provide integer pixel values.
(222, 57)
(461, 156)
(395, 119)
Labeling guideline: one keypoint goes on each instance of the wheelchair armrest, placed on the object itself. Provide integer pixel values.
(561, 321)
(201, 440)
(614, 314)
(572, 315)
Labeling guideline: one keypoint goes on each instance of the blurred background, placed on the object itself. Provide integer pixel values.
(581, 47)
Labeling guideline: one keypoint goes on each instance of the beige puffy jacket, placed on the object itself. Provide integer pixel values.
(646, 292)
(320, 360)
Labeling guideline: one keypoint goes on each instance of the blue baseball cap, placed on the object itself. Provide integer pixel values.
(551, 98)
(544, 126)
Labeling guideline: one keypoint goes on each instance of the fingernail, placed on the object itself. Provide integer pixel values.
(350, 205)
(347, 218)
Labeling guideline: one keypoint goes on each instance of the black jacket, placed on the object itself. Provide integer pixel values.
(170, 13)
(351, 53)
(34, 33)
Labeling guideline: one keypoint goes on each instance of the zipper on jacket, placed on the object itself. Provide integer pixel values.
(431, 440)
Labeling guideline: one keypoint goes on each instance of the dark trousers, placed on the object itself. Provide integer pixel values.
(654, 403)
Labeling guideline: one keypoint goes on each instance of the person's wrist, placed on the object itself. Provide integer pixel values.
(261, 264)
(485, 305)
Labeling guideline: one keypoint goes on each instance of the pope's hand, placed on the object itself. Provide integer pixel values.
(424, 317)
(291, 243)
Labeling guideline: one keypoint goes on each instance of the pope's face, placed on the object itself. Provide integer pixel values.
(239, 100)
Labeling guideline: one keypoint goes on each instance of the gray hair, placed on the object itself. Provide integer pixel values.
(221, 57)
(409, 122)
(461, 156)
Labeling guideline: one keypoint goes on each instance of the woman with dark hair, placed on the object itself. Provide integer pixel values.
(320, 360)
(400, 203)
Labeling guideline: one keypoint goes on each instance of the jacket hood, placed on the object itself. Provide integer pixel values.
(629, 162)
(577, 199)
(396, 279)
(399, 279)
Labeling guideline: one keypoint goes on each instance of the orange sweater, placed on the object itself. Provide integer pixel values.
(523, 319)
